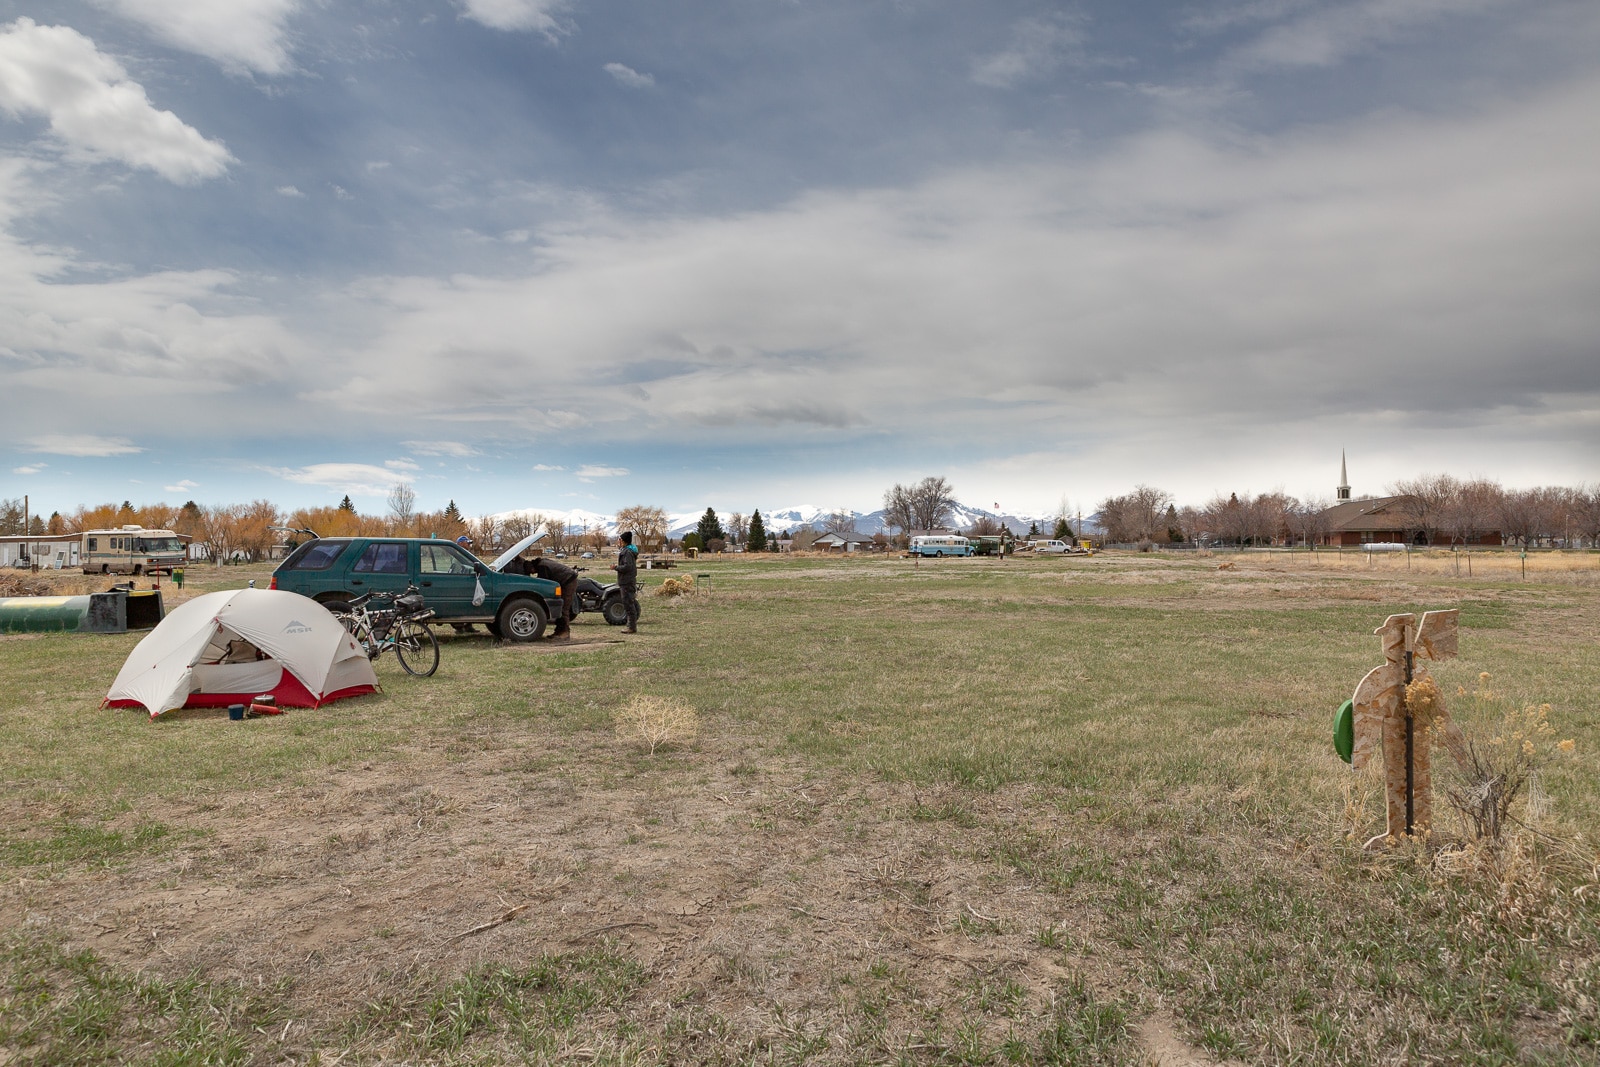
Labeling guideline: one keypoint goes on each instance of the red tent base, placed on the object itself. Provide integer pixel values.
(290, 692)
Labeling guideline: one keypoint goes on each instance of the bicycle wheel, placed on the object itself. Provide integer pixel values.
(416, 648)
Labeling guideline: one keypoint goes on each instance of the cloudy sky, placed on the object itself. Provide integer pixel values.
(752, 253)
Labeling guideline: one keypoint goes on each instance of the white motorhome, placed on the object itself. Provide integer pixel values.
(130, 550)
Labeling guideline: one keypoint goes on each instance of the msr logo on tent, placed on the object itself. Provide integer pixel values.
(296, 627)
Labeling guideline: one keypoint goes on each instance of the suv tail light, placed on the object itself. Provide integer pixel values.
(274, 583)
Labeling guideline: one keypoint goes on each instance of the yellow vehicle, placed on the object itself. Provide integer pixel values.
(131, 550)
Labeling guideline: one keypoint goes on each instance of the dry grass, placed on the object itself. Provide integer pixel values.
(678, 586)
(951, 812)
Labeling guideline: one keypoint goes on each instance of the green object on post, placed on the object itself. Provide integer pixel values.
(1344, 730)
(177, 577)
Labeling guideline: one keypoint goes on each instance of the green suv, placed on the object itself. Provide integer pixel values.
(332, 570)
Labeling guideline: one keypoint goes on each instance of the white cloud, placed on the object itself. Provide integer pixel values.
(95, 111)
(540, 16)
(82, 444)
(357, 479)
(547, 467)
(401, 465)
(183, 486)
(32, 468)
(454, 449)
(1038, 46)
(630, 77)
(1330, 33)
(1172, 286)
(289, 190)
(341, 193)
(238, 34)
(590, 471)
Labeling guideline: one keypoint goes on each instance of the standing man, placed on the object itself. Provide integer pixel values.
(554, 570)
(627, 568)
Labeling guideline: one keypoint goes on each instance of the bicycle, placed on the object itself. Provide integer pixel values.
(402, 626)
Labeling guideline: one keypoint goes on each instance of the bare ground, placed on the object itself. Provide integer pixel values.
(751, 895)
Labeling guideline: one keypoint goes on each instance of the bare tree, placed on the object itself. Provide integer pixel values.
(1309, 520)
(402, 506)
(840, 522)
(219, 527)
(1267, 517)
(1137, 516)
(738, 528)
(1522, 515)
(985, 526)
(1429, 499)
(648, 523)
(931, 501)
(255, 536)
(897, 509)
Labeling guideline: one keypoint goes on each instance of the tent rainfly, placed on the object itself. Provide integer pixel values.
(227, 647)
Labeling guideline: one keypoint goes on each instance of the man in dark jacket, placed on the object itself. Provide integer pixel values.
(553, 570)
(627, 568)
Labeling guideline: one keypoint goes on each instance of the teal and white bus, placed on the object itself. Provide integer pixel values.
(940, 545)
(131, 550)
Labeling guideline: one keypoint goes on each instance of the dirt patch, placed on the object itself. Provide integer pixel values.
(754, 894)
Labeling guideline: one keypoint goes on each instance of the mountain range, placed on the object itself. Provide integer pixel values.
(778, 520)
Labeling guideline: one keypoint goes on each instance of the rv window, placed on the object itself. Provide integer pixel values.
(92, 541)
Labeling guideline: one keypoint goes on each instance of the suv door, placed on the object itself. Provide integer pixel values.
(382, 567)
(448, 577)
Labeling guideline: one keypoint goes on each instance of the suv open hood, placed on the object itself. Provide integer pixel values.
(519, 548)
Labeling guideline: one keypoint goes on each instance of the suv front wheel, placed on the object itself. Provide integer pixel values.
(521, 619)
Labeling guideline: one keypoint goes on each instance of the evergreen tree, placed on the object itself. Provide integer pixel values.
(126, 511)
(692, 540)
(756, 539)
(452, 514)
(346, 505)
(1063, 532)
(1033, 530)
(710, 527)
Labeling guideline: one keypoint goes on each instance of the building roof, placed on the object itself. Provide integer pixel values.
(1373, 513)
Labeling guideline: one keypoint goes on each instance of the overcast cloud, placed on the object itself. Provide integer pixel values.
(1045, 251)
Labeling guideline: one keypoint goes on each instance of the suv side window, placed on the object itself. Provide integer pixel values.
(444, 559)
(382, 557)
(315, 556)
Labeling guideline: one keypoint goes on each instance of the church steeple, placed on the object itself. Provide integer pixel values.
(1343, 492)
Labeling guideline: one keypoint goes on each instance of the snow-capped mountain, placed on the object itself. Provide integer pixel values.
(777, 520)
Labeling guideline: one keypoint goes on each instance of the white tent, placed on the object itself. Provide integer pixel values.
(227, 647)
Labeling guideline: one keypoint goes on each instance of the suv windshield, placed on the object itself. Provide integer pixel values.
(315, 556)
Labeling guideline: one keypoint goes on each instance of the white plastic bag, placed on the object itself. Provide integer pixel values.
(477, 593)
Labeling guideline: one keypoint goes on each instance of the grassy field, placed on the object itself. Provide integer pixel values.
(965, 811)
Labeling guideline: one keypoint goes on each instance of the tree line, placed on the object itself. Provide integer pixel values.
(1444, 509)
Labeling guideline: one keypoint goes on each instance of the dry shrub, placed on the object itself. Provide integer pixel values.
(676, 586)
(656, 721)
(1505, 748)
